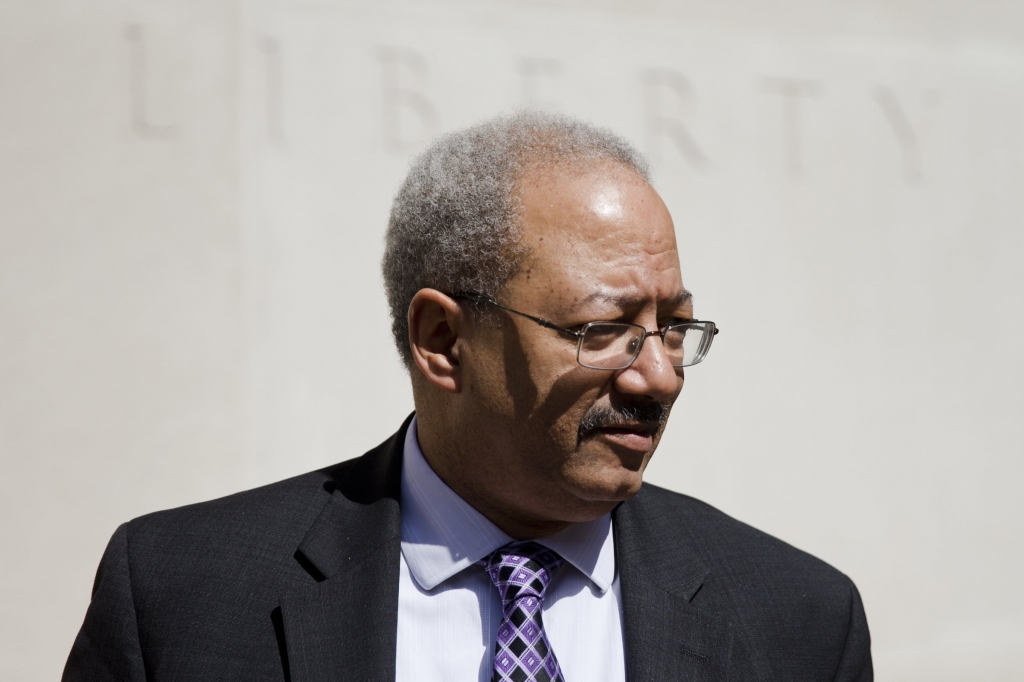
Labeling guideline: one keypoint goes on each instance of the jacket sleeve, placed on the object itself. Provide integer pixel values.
(107, 647)
(855, 662)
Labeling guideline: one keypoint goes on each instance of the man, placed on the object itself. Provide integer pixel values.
(504, 532)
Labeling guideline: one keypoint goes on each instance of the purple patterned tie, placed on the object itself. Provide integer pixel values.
(522, 572)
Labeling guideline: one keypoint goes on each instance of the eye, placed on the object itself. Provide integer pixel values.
(674, 320)
(595, 321)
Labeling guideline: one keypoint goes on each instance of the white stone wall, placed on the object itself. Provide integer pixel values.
(192, 201)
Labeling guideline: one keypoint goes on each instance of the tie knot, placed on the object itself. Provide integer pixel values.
(522, 569)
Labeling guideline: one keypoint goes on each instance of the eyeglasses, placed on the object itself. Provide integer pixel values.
(615, 345)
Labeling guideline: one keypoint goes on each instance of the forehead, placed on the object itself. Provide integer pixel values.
(596, 235)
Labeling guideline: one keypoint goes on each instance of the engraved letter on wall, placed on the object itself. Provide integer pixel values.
(409, 117)
(538, 76)
(667, 97)
(274, 84)
(907, 139)
(792, 91)
(138, 84)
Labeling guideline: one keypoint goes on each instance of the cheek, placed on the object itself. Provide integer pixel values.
(532, 385)
(512, 381)
(563, 401)
(486, 387)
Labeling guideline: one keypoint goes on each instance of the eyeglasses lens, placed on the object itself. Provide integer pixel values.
(609, 346)
(614, 346)
(685, 345)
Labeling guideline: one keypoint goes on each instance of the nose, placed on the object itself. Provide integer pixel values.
(651, 374)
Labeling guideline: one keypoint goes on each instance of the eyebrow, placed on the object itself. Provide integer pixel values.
(627, 301)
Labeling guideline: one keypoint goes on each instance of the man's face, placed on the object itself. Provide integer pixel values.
(601, 248)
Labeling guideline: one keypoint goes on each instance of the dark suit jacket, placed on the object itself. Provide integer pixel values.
(299, 581)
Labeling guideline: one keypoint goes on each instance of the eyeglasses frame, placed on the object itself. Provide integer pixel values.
(706, 342)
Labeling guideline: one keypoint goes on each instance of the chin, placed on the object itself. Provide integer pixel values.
(615, 462)
(609, 485)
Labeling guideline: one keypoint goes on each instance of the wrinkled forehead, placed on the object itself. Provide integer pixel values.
(592, 204)
(604, 229)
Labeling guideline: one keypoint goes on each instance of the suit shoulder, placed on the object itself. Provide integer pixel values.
(277, 512)
(737, 547)
(795, 615)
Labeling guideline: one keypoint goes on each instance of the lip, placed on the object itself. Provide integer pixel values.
(633, 438)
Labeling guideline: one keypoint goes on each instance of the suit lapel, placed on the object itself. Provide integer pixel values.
(661, 571)
(345, 626)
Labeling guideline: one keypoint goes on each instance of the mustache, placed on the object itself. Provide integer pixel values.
(646, 413)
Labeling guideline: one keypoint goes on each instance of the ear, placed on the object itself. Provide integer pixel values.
(435, 322)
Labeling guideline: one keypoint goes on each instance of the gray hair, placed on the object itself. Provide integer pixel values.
(454, 222)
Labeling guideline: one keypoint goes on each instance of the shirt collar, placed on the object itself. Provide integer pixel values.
(442, 534)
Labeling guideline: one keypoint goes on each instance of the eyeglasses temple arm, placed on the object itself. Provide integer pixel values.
(539, 320)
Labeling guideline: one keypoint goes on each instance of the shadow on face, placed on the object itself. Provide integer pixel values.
(601, 248)
(534, 434)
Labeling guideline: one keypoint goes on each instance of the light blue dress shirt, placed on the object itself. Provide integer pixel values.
(449, 610)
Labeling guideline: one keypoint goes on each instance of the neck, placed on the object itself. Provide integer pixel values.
(516, 525)
(445, 457)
